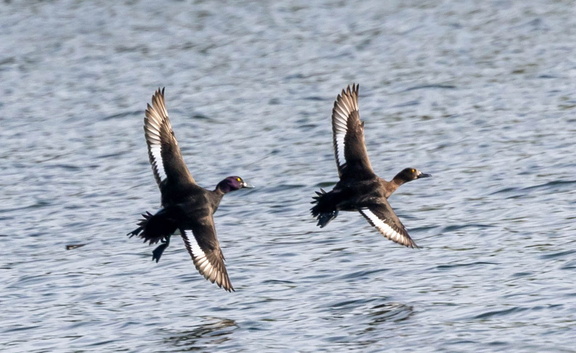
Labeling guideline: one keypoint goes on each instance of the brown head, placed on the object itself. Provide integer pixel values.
(409, 174)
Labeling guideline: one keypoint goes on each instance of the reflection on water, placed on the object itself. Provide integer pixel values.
(389, 312)
(367, 321)
(371, 311)
(481, 94)
(214, 332)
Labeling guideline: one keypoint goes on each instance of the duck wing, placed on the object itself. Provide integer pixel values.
(206, 253)
(348, 137)
(163, 151)
(383, 218)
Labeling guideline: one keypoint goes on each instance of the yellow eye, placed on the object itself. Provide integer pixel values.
(413, 170)
(238, 179)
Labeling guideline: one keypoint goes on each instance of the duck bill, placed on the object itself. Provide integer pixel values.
(424, 175)
(247, 186)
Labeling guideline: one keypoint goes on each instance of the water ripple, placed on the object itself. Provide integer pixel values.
(481, 94)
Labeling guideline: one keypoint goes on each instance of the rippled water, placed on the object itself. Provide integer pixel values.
(480, 94)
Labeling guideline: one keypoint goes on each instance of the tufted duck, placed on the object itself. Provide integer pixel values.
(359, 188)
(186, 206)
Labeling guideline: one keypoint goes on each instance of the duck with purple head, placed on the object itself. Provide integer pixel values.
(186, 206)
(359, 188)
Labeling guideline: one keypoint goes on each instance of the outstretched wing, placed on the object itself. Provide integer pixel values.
(383, 218)
(163, 151)
(348, 136)
(206, 253)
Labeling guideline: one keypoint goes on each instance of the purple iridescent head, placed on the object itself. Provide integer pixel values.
(232, 183)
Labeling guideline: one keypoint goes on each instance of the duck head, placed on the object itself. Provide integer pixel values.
(409, 174)
(232, 183)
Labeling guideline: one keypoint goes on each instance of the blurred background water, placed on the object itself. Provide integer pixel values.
(480, 94)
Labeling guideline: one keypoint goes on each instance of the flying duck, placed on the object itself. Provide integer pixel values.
(186, 206)
(359, 188)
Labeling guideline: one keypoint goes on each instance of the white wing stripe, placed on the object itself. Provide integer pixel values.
(341, 112)
(384, 228)
(340, 149)
(199, 257)
(156, 153)
(340, 129)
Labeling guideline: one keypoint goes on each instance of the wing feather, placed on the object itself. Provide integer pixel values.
(163, 151)
(206, 254)
(348, 136)
(383, 218)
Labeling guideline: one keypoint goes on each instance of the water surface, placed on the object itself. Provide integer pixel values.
(481, 95)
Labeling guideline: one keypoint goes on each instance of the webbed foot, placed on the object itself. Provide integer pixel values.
(325, 218)
(157, 253)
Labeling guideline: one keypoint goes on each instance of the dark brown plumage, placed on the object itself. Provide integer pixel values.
(186, 206)
(359, 188)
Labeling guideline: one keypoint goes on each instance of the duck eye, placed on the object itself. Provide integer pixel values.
(238, 179)
(413, 170)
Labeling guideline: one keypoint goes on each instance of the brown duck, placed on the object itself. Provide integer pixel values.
(359, 188)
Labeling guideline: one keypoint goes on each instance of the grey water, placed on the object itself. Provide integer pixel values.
(480, 94)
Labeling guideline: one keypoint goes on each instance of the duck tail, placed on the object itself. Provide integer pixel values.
(154, 228)
(323, 210)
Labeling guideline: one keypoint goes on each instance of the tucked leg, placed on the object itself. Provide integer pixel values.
(157, 253)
